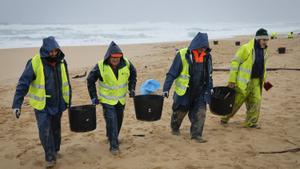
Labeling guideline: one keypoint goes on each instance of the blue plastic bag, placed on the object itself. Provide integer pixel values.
(149, 86)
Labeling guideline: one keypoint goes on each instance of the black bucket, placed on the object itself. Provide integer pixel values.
(216, 42)
(222, 100)
(82, 118)
(281, 50)
(148, 107)
(237, 43)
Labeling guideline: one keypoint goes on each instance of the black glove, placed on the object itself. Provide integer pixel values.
(131, 93)
(166, 94)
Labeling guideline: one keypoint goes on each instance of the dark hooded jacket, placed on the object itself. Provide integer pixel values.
(55, 104)
(201, 83)
(95, 75)
(258, 66)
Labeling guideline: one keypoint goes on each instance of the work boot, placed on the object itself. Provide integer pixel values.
(57, 155)
(175, 132)
(253, 126)
(50, 164)
(115, 152)
(199, 139)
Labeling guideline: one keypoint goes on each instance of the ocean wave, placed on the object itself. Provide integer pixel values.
(31, 35)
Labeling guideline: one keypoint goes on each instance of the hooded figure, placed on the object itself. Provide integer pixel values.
(46, 81)
(116, 76)
(192, 72)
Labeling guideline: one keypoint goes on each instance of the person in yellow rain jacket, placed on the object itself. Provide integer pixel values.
(247, 76)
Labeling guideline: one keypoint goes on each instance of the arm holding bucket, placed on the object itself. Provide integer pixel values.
(93, 76)
(132, 80)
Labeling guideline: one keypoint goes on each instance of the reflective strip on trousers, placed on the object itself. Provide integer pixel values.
(112, 87)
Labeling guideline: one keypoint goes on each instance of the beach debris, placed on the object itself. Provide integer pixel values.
(139, 135)
(216, 42)
(281, 50)
(150, 86)
(237, 43)
(80, 76)
(293, 150)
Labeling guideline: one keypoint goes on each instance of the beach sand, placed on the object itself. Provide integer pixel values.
(228, 147)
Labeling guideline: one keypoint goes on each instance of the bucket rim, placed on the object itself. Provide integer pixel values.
(85, 105)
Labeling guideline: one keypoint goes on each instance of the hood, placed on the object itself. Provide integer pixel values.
(113, 48)
(49, 44)
(199, 41)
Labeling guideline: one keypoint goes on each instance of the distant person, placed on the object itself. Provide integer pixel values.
(291, 35)
(247, 76)
(116, 76)
(192, 72)
(274, 35)
(46, 80)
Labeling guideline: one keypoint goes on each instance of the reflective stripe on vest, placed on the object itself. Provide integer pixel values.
(182, 81)
(37, 91)
(112, 90)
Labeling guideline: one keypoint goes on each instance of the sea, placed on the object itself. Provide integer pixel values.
(31, 35)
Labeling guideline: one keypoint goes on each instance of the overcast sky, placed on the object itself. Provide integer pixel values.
(132, 11)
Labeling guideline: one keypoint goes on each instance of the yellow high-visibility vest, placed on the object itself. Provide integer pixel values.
(37, 91)
(113, 90)
(182, 81)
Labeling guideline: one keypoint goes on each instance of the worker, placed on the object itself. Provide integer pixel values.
(247, 76)
(116, 75)
(46, 79)
(192, 72)
(291, 35)
(274, 35)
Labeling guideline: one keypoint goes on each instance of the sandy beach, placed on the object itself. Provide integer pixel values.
(227, 147)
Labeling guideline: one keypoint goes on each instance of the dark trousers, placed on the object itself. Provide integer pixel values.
(49, 133)
(113, 116)
(196, 112)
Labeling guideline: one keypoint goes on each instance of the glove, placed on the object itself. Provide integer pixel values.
(16, 112)
(165, 94)
(207, 96)
(131, 93)
(95, 101)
